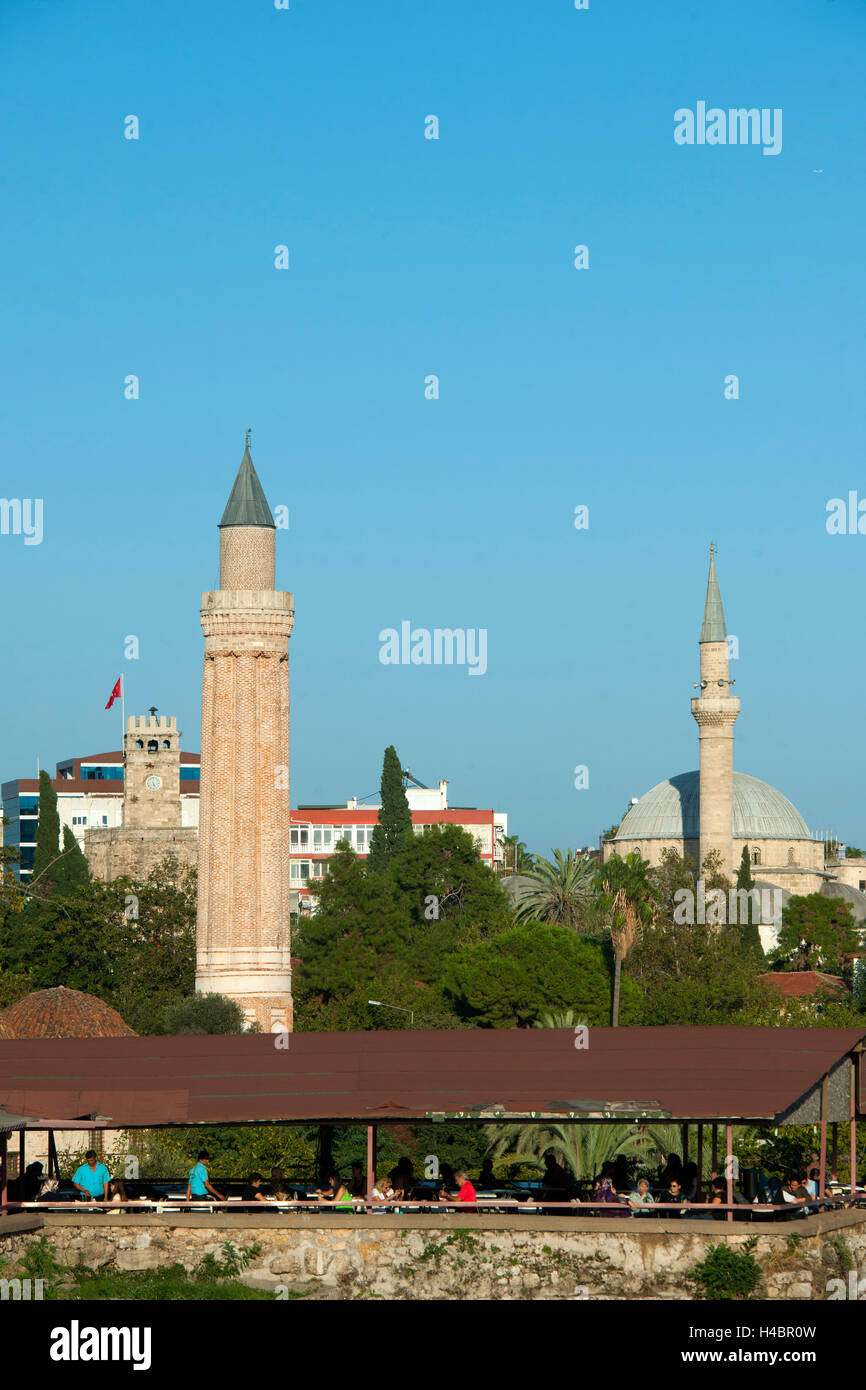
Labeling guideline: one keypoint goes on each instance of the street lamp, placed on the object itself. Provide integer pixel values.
(377, 1004)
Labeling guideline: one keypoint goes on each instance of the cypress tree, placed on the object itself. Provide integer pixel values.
(395, 819)
(72, 869)
(47, 832)
(750, 936)
(744, 873)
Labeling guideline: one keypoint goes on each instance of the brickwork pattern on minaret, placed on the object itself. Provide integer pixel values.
(243, 936)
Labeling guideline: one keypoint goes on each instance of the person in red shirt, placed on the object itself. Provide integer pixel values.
(466, 1192)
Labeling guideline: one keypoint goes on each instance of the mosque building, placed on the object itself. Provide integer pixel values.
(716, 808)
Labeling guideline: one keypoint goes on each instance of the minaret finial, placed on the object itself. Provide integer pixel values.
(247, 444)
(713, 629)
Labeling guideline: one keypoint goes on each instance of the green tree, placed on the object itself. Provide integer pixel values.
(394, 823)
(674, 873)
(744, 872)
(558, 891)
(518, 860)
(817, 933)
(584, 1148)
(72, 870)
(157, 951)
(355, 946)
(452, 897)
(513, 979)
(204, 1013)
(749, 932)
(47, 835)
(695, 975)
(629, 902)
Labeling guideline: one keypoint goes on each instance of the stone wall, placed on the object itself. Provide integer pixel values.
(129, 852)
(466, 1257)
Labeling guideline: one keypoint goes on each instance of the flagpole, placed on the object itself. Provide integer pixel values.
(123, 736)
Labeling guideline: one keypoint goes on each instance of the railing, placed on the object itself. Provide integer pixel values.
(502, 1205)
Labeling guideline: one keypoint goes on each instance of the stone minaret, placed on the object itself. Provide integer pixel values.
(716, 710)
(243, 875)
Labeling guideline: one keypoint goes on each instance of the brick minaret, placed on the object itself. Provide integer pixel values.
(243, 874)
(716, 710)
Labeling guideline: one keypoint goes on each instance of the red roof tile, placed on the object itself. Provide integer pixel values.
(62, 1013)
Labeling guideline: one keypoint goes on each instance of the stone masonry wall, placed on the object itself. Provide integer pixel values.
(115, 853)
(396, 1257)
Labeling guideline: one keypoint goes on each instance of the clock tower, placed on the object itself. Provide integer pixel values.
(151, 773)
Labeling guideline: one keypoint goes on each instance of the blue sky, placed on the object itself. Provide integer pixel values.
(558, 387)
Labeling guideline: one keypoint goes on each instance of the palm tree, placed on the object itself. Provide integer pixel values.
(557, 891)
(585, 1148)
(553, 1018)
(518, 860)
(631, 899)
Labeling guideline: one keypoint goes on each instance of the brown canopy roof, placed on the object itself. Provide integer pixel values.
(682, 1073)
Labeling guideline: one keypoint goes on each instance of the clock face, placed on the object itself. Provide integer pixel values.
(153, 784)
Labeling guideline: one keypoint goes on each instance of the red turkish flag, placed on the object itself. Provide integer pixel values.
(115, 694)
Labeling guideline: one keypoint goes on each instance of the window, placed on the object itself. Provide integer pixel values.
(344, 832)
(319, 868)
(322, 836)
(82, 820)
(189, 774)
(300, 837)
(300, 870)
(152, 745)
(756, 856)
(166, 743)
(139, 743)
(791, 859)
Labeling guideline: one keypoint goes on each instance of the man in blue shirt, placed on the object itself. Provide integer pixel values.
(198, 1185)
(92, 1178)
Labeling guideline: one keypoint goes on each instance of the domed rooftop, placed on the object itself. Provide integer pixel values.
(5, 1030)
(670, 810)
(62, 1013)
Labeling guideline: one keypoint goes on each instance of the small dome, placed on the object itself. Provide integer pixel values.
(62, 1013)
(670, 810)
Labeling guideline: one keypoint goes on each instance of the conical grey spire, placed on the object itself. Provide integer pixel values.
(713, 629)
(247, 505)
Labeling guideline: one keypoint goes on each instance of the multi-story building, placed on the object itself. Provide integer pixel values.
(90, 800)
(89, 796)
(316, 830)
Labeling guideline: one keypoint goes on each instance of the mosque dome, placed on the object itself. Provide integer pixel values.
(670, 811)
(62, 1013)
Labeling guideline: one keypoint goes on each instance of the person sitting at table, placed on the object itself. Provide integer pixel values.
(446, 1176)
(31, 1183)
(92, 1179)
(691, 1182)
(336, 1192)
(383, 1192)
(253, 1190)
(672, 1169)
(606, 1192)
(199, 1185)
(641, 1198)
(278, 1180)
(486, 1178)
(556, 1179)
(465, 1191)
(403, 1167)
(356, 1184)
(117, 1191)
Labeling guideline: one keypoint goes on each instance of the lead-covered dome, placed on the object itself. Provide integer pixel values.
(670, 811)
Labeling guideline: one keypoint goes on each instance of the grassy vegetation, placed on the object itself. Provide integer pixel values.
(213, 1278)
